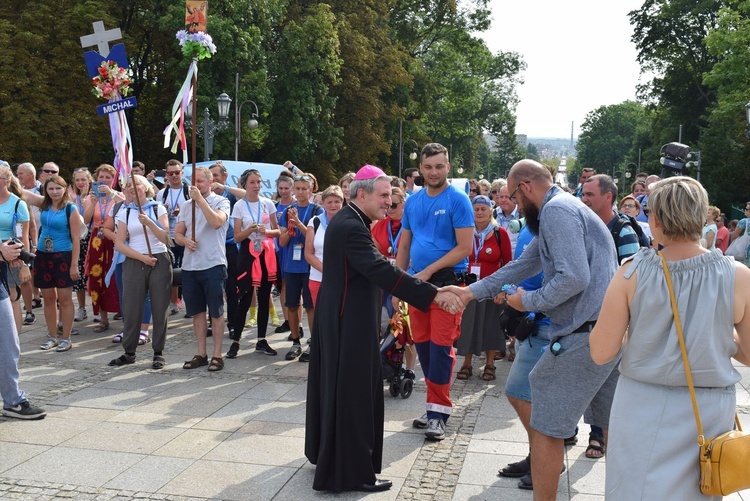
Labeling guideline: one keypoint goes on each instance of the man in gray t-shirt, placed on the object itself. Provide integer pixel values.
(204, 265)
(576, 252)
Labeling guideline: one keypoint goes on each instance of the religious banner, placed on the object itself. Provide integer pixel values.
(111, 78)
(195, 44)
(195, 16)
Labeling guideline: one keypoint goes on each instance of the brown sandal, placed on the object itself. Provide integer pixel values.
(511, 357)
(465, 373)
(217, 363)
(101, 327)
(489, 373)
(195, 362)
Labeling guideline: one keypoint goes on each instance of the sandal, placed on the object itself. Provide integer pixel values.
(499, 356)
(592, 449)
(118, 338)
(103, 326)
(49, 344)
(197, 361)
(489, 373)
(511, 357)
(64, 345)
(124, 359)
(158, 362)
(216, 364)
(143, 338)
(465, 372)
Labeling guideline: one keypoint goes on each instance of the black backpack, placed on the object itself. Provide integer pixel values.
(625, 220)
(185, 193)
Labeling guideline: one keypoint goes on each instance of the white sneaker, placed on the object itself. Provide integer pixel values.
(435, 430)
(173, 309)
(81, 315)
(421, 422)
(97, 318)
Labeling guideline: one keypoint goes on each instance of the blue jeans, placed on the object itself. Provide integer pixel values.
(10, 351)
(147, 310)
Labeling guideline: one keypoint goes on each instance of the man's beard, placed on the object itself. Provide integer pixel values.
(531, 212)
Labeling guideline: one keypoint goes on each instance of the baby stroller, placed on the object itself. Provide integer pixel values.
(393, 341)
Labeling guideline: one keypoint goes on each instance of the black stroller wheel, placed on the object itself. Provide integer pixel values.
(394, 389)
(408, 386)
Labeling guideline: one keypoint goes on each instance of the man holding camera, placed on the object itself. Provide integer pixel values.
(436, 240)
(172, 196)
(15, 403)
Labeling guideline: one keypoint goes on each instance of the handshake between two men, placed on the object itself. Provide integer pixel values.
(454, 299)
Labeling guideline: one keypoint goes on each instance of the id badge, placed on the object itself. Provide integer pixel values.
(474, 269)
(100, 233)
(49, 245)
(297, 253)
(257, 244)
(19, 230)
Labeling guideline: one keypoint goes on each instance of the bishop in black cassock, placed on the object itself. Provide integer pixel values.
(344, 426)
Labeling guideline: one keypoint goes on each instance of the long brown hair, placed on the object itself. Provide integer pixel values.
(47, 202)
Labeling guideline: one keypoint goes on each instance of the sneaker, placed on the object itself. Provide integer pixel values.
(97, 318)
(409, 374)
(24, 410)
(73, 331)
(251, 323)
(36, 303)
(420, 422)
(118, 316)
(173, 309)
(80, 315)
(275, 321)
(301, 334)
(305, 357)
(282, 328)
(294, 352)
(435, 429)
(275, 292)
(262, 347)
(233, 350)
(30, 318)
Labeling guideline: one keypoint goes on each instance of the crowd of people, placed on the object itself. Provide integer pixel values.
(516, 270)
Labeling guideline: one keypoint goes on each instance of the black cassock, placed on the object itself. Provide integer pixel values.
(344, 426)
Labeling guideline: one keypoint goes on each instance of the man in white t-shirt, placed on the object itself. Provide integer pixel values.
(204, 265)
(174, 194)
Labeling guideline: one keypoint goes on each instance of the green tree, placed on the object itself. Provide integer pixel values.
(607, 136)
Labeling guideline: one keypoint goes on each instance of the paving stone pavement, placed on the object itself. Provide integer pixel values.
(175, 434)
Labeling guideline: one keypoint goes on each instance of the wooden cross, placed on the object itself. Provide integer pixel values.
(101, 38)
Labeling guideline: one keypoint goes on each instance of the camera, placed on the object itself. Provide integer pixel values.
(25, 256)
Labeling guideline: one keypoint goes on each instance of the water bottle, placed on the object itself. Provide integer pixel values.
(509, 289)
(526, 327)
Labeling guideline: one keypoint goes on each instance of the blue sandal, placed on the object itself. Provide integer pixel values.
(49, 344)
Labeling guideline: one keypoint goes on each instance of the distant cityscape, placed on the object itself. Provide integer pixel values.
(547, 147)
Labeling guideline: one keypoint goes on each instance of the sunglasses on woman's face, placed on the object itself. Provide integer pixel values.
(395, 205)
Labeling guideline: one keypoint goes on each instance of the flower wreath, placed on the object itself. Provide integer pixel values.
(112, 82)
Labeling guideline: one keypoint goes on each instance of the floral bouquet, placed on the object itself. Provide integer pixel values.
(112, 81)
(198, 45)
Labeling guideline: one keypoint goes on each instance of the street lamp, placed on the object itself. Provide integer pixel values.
(460, 167)
(252, 123)
(208, 128)
(412, 156)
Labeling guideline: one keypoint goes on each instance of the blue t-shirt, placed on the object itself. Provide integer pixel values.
(55, 225)
(9, 216)
(533, 283)
(432, 222)
(287, 252)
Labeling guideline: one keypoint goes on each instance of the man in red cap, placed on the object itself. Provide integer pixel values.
(344, 425)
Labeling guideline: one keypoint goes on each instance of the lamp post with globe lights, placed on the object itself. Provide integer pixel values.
(208, 128)
(412, 156)
(252, 123)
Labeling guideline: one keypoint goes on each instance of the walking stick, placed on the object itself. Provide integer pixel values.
(140, 211)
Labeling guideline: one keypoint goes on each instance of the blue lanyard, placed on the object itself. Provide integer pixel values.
(307, 209)
(394, 241)
(172, 199)
(479, 240)
(103, 209)
(51, 216)
(255, 220)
